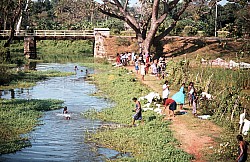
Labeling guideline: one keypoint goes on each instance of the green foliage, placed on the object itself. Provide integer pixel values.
(189, 31)
(19, 117)
(5, 75)
(227, 102)
(64, 51)
(151, 141)
(3, 54)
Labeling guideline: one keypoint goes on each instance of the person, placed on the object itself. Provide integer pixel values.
(195, 100)
(136, 66)
(118, 59)
(242, 151)
(191, 91)
(147, 67)
(179, 97)
(138, 111)
(172, 106)
(87, 72)
(143, 71)
(154, 67)
(65, 113)
(165, 91)
(76, 68)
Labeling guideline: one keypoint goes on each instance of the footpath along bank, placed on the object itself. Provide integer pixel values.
(156, 139)
(196, 136)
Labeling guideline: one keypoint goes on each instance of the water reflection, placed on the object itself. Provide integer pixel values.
(58, 139)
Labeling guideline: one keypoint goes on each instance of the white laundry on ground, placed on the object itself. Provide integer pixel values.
(150, 97)
(246, 127)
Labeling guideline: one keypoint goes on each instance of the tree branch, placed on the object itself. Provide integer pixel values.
(12, 25)
(120, 14)
(176, 17)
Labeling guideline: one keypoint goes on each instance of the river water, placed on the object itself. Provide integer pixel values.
(58, 139)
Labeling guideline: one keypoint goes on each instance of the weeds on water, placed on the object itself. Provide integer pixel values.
(27, 78)
(19, 117)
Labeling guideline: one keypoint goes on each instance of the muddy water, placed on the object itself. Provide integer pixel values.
(58, 139)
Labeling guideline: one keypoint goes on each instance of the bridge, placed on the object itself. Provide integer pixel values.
(49, 34)
(31, 36)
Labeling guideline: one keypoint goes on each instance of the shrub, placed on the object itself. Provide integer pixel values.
(189, 31)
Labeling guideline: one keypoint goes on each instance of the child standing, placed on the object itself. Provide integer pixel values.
(195, 100)
(136, 66)
(143, 71)
(138, 111)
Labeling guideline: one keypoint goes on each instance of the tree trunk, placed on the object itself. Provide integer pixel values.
(12, 26)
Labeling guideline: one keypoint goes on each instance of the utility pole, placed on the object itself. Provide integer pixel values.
(215, 22)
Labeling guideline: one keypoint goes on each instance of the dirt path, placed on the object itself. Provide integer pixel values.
(196, 136)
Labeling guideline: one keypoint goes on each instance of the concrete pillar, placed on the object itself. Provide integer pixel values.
(30, 47)
(99, 47)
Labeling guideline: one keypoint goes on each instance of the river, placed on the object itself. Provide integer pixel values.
(57, 139)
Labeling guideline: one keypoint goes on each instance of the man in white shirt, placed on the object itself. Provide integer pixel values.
(165, 91)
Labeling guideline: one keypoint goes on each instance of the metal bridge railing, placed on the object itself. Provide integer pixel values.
(55, 33)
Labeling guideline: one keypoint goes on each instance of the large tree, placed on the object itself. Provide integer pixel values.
(10, 12)
(151, 14)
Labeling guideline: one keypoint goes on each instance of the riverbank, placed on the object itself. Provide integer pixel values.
(202, 139)
(19, 116)
(197, 137)
(151, 141)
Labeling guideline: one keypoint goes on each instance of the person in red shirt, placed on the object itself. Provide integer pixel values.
(172, 106)
(118, 59)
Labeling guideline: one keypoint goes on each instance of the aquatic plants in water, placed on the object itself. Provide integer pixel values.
(19, 117)
(28, 78)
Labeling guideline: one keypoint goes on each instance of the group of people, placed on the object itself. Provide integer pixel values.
(171, 103)
(179, 97)
(143, 63)
(124, 59)
(156, 66)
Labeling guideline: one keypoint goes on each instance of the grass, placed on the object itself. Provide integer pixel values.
(119, 85)
(19, 117)
(151, 141)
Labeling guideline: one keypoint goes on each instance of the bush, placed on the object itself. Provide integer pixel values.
(189, 31)
(5, 75)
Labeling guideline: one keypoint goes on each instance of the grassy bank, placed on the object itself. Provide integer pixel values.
(11, 79)
(63, 51)
(151, 141)
(19, 117)
(229, 89)
(60, 51)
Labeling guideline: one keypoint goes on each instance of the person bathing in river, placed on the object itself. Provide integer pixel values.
(65, 113)
(138, 111)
